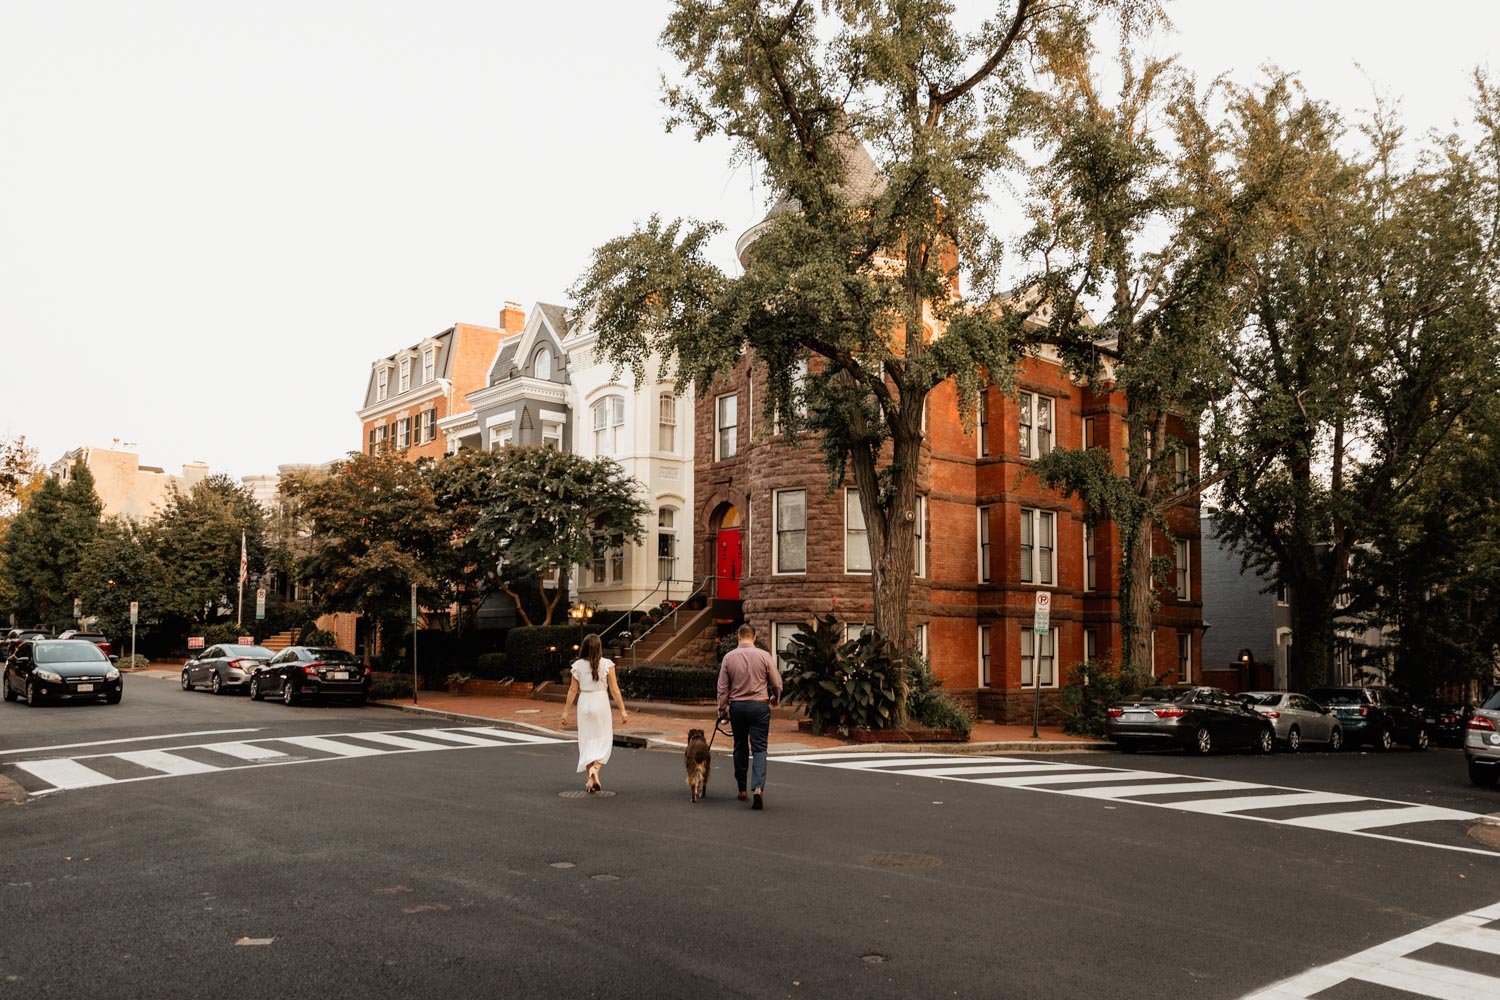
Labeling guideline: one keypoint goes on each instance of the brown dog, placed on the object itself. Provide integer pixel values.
(697, 759)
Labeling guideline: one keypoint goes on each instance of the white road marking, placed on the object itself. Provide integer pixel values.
(1093, 781)
(1389, 964)
(245, 751)
(332, 746)
(131, 739)
(64, 773)
(67, 773)
(160, 760)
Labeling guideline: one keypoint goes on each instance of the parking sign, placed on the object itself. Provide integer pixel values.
(135, 612)
(1043, 617)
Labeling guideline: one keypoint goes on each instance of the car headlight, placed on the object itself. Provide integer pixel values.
(48, 675)
(111, 674)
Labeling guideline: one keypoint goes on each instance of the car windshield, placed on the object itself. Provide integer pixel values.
(69, 651)
(332, 656)
(1260, 698)
(1492, 702)
(1164, 693)
(256, 652)
(1334, 696)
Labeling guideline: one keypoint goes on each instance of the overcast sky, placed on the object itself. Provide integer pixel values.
(214, 216)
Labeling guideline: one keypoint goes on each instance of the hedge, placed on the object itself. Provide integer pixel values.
(670, 681)
(542, 652)
(491, 667)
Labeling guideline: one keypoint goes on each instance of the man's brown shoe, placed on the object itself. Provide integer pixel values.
(743, 796)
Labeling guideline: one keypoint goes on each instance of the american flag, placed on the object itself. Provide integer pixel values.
(244, 560)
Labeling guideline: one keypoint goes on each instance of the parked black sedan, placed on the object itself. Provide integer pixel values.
(300, 672)
(1377, 715)
(60, 670)
(226, 667)
(1199, 719)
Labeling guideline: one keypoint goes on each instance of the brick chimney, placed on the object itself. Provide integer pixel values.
(512, 317)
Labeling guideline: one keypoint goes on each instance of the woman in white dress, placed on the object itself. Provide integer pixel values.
(593, 683)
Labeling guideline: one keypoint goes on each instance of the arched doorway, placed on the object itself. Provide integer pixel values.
(728, 551)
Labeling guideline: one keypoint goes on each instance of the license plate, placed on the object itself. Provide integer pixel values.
(340, 675)
(85, 687)
(1139, 716)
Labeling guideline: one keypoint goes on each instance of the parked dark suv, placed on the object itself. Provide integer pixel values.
(1378, 716)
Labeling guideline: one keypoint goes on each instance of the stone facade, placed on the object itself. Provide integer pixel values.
(125, 487)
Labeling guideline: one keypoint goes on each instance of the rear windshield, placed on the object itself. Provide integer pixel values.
(1335, 696)
(255, 652)
(1261, 699)
(69, 651)
(1492, 702)
(332, 656)
(1164, 694)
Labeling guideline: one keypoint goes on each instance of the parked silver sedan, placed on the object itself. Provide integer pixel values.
(1297, 718)
(1482, 743)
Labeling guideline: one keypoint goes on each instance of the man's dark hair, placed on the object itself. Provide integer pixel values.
(747, 631)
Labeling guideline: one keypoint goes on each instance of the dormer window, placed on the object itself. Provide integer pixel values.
(405, 383)
(382, 383)
(541, 364)
(429, 365)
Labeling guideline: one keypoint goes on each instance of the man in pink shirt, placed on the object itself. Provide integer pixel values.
(749, 684)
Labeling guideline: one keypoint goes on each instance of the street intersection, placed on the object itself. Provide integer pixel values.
(165, 848)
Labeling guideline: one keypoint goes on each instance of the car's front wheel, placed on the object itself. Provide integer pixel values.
(1484, 775)
(1384, 741)
(1336, 739)
(1422, 741)
(288, 693)
(114, 699)
(5, 691)
(255, 689)
(1294, 739)
(187, 685)
(217, 684)
(1203, 740)
(1265, 742)
(32, 697)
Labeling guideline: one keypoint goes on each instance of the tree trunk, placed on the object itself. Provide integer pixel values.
(1136, 601)
(892, 535)
(1312, 639)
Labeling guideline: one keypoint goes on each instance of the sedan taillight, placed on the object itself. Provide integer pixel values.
(1115, 713)
(241, 664)
(1364, 710)
(311, 669)
(1480, 722)
(1170, 713)
(1271, 714)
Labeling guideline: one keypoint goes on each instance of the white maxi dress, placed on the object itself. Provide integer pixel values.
(596, 723)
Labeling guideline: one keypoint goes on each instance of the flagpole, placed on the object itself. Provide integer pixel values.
(239, 613)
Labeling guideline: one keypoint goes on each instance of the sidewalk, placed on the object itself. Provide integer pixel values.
(665, 726)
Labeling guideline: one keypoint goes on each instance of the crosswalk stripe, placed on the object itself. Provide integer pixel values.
(456, 737)
(167, 763)
(1428, 979)
(1265, 800)
(330, 746)
(897, 761)
(245, 751)
(392, 740)
(1161, 788)
(1477, 939)
(64, 773)
(507, 735)
(1369, 819)
(1031, 780)
(970, 770)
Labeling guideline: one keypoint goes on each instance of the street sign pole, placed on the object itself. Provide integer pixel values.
(135, 615)
(414, 644)
(1039, 628)
(260, 610)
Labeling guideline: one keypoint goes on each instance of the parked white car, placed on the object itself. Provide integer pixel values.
(1297, 718)
(1482, 743)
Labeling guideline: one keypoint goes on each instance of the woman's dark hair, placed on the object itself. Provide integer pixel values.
(591, 650)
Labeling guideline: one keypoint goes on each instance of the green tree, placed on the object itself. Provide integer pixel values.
(374, 529)
(120, 565)
(45, 544)
(859, 263)
(197, 537)
(523, 514)
(1363, 345)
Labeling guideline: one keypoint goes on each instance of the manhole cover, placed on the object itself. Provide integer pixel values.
(874, 958)
(605, 878)
(581, 794)
(562, 864)
(902, 859)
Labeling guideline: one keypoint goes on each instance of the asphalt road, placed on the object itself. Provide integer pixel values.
(463, 872)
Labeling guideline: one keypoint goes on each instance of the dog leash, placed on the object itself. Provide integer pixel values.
(717, 723)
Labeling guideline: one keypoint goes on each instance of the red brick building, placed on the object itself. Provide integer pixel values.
(783, 548)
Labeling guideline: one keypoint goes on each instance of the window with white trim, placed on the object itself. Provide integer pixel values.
(984, 544)
(1088, 432)
(609, 417)
(922, 640)
(853, 630)
(856, 535)
(1181, 556)
(790, 535)
(666, 423)
(985, 633)
(782, 633)
(1184, 657)
(1036, 425)
(1090, 580)
(727, 426)
(798, 401)
(919, 559)
(1283, 594)
(984, 422)
(552, 434)
(405, 383)
(1180, 467)
(1038, 653)
(382, 383)
(617, 559)
(1038, 546)
(541, 364)
(403, 432)
(666, 543)
(429, 365)
(501, 436)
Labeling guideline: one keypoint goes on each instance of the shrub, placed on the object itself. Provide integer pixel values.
(927, 706)
(491, 667)
(224, 632)
(859, 684)
(311, 635)
(670, 681)
(391, 688)
(132, 662)
(1092, 688)
(539, 653)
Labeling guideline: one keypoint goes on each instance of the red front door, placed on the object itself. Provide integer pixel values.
(727, 564)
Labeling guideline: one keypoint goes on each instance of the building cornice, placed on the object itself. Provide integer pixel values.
(522, 386)
(436, 389)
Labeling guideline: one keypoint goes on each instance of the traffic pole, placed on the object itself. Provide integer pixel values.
(414, 644)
